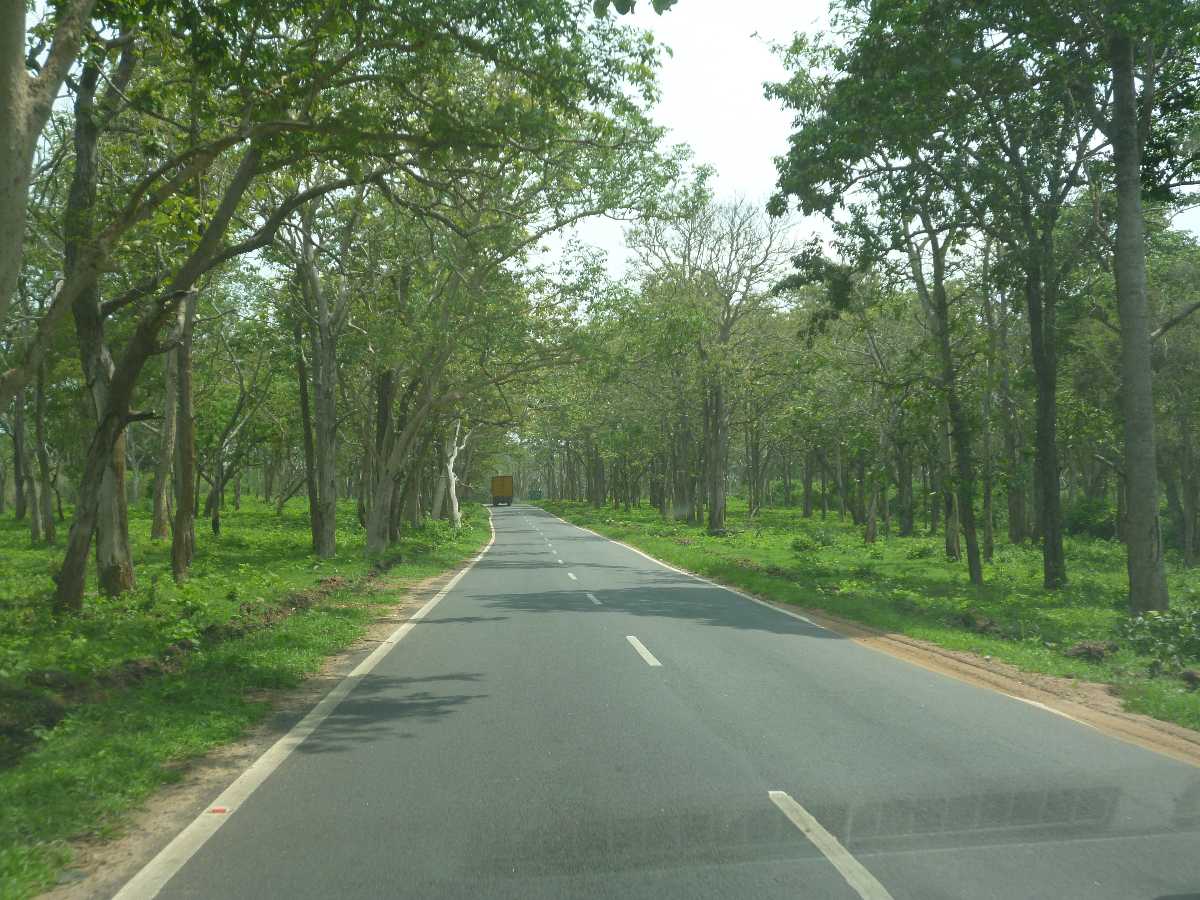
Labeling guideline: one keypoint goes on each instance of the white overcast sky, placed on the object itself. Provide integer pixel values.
(712, 94)
(712, 99)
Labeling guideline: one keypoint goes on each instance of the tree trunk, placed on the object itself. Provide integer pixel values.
(160, 526)
(1014, 487)
(904, 488)
(114, 561)
(183, 536)
(1143, 538)
(808, 484)
(306, 432)
(325, 407)
(33, 498)
(1048, 507)
(69, 591)
(716, 464)
(20, 481)
(46, 485)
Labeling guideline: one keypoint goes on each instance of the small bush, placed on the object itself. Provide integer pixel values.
(1172, 637)
(924, 550)
(812, 542)
(1092, 517)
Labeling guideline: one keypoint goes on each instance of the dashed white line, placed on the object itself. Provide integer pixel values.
(592, 597)
(560, 562)
(642, 651)
(864, 883)
(571, 575)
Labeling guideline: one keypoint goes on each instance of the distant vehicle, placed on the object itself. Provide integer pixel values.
(502, 490)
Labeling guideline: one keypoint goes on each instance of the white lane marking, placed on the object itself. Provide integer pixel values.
(560, 562)
(1051, 709)
(642, 651)
(592, 597)
(715, 584)
(855, 873)
(154, 876)
(571, 575)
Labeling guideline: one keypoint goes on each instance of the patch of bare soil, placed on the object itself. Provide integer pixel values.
(101, 867)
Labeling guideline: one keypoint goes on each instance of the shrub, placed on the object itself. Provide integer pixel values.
(1171, 637)
(812, 542)
(1093, 517)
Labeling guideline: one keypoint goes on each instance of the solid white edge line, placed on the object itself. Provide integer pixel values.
(1051, 709)
(154, 876)
(642, 651)
(592, 597)
(679, 571)
(864, 883)
(571, 575)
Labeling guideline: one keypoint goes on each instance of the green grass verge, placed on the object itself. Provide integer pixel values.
(107, 755)
(906, 585)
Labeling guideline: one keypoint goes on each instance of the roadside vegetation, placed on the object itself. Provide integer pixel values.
(907, 585)
(99, 711)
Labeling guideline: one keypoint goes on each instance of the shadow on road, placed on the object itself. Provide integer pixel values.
(668, 599)
(380, 706)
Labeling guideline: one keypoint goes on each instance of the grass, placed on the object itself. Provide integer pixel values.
(226, 636)
(907, 586)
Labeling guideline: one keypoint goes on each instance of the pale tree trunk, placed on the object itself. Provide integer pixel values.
(439, 484)
(1143, 539)
(450, 451)
(160, 527)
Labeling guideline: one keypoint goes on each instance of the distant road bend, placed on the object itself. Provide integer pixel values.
(572, 719)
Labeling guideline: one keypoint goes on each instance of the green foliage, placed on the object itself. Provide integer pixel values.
(1171, 638)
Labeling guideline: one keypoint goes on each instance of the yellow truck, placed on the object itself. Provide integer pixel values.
(502, 490)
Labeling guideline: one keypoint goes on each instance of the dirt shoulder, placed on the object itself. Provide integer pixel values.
(101, 867)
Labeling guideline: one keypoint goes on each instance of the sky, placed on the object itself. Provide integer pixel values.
(712, 100)
(712, 95)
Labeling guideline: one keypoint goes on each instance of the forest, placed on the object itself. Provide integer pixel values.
(279, 295)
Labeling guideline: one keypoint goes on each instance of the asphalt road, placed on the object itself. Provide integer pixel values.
(574, 720)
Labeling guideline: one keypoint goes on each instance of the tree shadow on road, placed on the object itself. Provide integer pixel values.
(663, 596)
(382, 707)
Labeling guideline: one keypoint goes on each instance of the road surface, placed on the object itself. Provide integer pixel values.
(575, 720)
